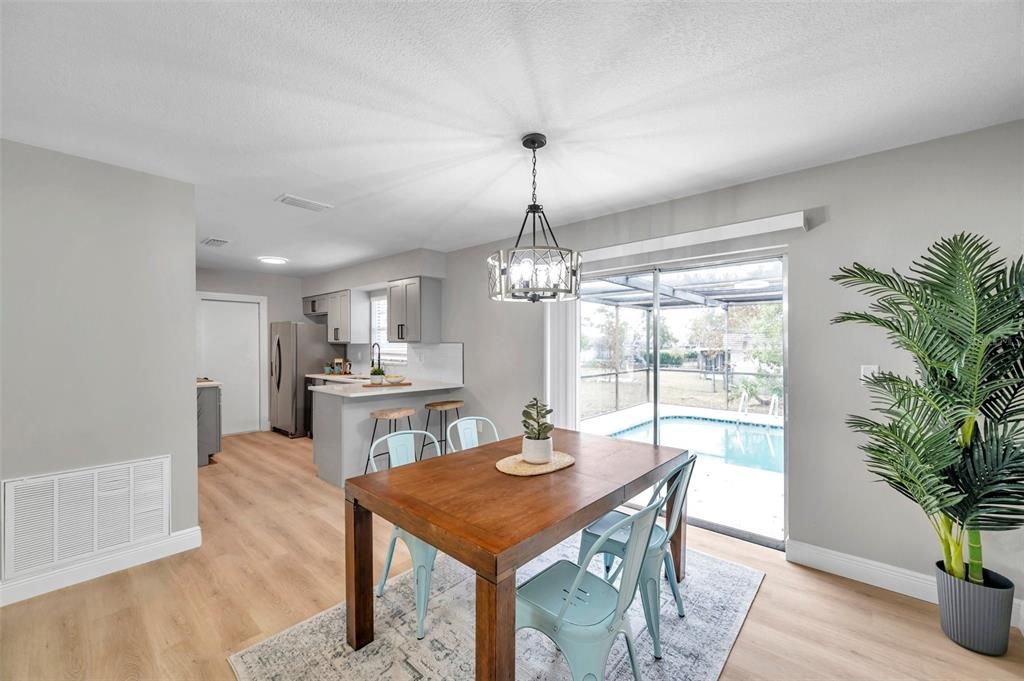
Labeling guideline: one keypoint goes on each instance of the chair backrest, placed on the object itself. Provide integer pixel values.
(675, 511)
(634, 555)
(401, 447)
(466, 427)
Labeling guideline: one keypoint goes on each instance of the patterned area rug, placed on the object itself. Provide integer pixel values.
(717, 595)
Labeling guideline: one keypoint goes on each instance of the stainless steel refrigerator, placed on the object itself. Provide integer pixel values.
(296, 349)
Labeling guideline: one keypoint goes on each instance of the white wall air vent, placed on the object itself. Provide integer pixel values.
(214, 242)
(299, 202)
(54, 520)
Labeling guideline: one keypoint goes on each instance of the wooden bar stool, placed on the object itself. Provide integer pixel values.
(442, 408)
(391, 416)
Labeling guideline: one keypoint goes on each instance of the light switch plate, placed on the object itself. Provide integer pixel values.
(868, 370)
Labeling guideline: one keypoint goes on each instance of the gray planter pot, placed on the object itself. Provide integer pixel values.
(976, 616)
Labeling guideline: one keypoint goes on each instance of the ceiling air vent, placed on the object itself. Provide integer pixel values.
(214, 242)
(299, 202)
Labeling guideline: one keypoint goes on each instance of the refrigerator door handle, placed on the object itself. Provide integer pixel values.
(277, 344)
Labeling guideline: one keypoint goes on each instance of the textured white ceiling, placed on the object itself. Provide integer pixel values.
(408, 116)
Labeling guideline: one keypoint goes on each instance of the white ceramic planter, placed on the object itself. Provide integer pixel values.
(376, 380)
(536, 451)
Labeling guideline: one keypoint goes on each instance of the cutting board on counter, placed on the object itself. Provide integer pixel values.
(387, 385)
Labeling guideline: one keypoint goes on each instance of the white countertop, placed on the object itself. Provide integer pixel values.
(350, 389)
(341, 378)
(208, 384)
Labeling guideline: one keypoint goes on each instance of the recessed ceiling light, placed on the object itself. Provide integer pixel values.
(272, 260)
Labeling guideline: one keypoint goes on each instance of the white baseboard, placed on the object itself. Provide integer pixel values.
(889, 577)
(19, 589)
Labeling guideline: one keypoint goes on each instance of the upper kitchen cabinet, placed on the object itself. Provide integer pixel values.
(314, 306)
(414, 310)
(339, 323)
(348, 317)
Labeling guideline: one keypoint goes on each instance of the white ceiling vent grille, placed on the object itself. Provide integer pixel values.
(53, 520)
(306, 204)
(214, 242)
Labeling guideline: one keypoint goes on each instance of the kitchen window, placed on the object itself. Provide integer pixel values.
(390, 353)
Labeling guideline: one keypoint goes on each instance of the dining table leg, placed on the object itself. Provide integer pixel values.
(358, 574)
(496, 628)
(677, 542)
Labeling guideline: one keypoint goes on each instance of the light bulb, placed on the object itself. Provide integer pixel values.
(522, 272)
(543, 276)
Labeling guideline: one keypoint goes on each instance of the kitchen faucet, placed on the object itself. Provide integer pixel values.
(375, 345)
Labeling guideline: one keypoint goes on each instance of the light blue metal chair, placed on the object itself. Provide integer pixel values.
(582, 613)
(657, 551)
(466, 427)
(401, 451)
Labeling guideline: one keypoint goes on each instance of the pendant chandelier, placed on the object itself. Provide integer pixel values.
(541, 271)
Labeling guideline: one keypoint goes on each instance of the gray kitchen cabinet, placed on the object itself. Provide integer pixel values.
(414, 310)
(339, 324)
(348, 317)
(314, 306)
(208, 415)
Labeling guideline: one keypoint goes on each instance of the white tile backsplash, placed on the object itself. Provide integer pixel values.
(435, 362)
(426, 361)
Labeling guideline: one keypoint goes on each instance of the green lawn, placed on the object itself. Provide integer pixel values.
(597, 395)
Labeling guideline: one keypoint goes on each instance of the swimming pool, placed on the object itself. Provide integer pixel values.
(742, 444)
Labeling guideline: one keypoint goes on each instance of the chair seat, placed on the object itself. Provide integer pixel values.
(393, 413)
(445, 405)
(594, 602)
(619, 539)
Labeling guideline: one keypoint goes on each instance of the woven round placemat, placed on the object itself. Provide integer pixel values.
(515, 465)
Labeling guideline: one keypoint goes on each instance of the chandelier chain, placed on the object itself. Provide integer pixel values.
(534, 176)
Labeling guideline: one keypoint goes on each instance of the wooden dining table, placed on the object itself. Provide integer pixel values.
(494, 523)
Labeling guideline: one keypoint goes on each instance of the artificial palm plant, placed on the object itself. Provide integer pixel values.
(950, 438)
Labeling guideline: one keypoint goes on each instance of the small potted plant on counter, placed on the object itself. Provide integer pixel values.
(951, 437)
(377, 375)
(536, 432)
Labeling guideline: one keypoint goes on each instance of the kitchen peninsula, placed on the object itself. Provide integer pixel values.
(342, 426)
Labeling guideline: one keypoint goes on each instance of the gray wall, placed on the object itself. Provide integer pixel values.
(98, 336)
(372, 273)
(284, 294)
(884, 210)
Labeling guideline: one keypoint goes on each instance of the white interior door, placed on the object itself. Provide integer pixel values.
(228, 350)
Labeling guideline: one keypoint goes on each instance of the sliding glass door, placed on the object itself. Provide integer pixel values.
(698, 366)
(616, 346)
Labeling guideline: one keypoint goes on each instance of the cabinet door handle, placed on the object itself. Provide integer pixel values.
(401, 331)
(335, 333)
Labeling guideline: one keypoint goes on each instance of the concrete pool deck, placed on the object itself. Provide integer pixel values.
(747, 499)
(617, 421)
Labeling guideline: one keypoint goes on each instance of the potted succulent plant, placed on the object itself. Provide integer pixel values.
(951, 437)
(536, 432)
(377, 375)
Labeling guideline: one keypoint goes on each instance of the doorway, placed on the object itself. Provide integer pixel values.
(231, 348)
(694, 358)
